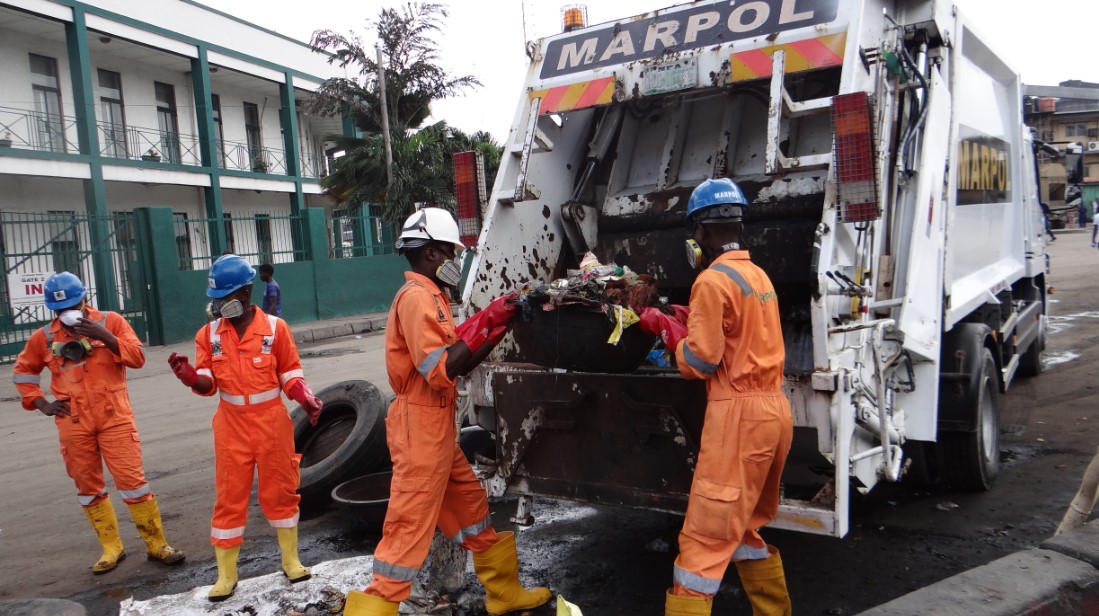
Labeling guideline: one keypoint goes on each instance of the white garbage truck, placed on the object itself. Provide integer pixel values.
(894, 205)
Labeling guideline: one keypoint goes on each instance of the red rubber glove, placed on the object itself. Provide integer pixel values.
(497, 334)
(482, 326)
(669, 328)
(183, 369)
(300, 393)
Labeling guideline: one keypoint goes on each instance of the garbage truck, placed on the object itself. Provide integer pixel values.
(893, 203)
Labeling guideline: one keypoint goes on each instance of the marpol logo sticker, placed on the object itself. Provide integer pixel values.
(58, 295)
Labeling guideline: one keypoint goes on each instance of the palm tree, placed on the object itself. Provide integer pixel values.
(422, 172)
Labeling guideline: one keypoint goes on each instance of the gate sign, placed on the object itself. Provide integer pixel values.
(25, 289)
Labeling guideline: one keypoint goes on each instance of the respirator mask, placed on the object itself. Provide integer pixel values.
(69, 318)
(230, 309)
(449, 273)
(694, 254)
(73, 350)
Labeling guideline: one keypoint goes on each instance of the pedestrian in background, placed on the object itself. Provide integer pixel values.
(251, 359)
(272, 295)
(433, 484)
(733, 341)
(87, 353)
(1045, 216)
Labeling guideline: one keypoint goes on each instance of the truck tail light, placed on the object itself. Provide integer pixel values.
(855, 159)
(469, 191)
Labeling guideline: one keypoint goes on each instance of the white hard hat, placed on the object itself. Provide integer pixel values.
(429, 224)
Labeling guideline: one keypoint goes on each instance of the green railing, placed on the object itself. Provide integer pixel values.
(359, 233)
(258, 237)
(42, 132)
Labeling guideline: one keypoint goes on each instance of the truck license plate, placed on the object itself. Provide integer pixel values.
(670, 76)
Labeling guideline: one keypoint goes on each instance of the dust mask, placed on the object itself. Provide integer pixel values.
(694, 254)
(227, 309)
(70, 318)
(449, 273)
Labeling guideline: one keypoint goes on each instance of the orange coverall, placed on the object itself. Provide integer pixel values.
(433, 483)
(252, 427)
(101, 426)
(734, 341)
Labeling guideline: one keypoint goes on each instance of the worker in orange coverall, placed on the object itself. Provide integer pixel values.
(733, 340)
(433, 484)
(87, 353)
(251, 359)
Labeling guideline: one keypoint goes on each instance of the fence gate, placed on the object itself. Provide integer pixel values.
(35, 245)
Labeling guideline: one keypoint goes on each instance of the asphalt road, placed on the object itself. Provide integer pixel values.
(608, 561)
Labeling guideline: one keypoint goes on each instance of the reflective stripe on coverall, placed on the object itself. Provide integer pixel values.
(252, 427)
(734, 341)
(433, 483)
(101, 427)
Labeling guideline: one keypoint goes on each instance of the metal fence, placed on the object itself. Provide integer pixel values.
(35, 245)
(359, 233)
(32, 130)
(259, 237)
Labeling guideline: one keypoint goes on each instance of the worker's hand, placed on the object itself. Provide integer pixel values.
(50, 409)
(669, 328)
(183, 369)
(92, 329)
(482, 326)
(497, 334)
(312, 405)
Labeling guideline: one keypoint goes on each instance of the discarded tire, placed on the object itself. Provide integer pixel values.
(365, 500)
(348, 440)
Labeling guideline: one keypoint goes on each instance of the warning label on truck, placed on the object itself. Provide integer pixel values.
(984, 173)
(690, 28)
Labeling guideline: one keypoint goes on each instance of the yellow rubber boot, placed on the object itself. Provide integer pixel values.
(291, 566)
(105, 523)
(498, 569)
(361, 604)
(676, 605)
(146, 517)
(764, 582)
(227, 574)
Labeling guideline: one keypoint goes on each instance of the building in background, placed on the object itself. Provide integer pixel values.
(110, 106)
(1066, 117)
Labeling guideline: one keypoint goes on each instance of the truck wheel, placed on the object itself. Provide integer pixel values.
(348, 440)
(971, 460)
(1030, 363)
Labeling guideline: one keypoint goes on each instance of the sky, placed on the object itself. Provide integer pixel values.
(485, 38)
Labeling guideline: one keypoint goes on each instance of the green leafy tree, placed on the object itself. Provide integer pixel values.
(422, 170)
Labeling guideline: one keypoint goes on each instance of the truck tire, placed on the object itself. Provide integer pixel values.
(1030, 362)
(970, 460)
(348, 440)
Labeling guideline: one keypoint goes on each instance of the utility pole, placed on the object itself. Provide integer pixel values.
(385, 118)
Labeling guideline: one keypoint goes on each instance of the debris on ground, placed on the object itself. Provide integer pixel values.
(946, 506)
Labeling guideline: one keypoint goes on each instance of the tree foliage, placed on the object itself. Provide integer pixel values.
(423, 173)
(422, 170)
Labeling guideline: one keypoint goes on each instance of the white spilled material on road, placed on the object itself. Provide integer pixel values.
(1053, 358)
(268, 595)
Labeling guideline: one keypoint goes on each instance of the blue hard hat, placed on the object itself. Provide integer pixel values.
(710, 194)
(63, 291)
(228, 274)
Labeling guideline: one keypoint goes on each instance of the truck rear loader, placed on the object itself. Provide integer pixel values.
(893, 202)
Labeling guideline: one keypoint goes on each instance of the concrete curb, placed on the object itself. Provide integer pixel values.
(326, 330)
(1060, 577)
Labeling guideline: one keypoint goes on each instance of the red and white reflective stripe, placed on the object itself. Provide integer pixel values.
(226, 533)
(285, 377)
(244, 399)
(284, 523)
